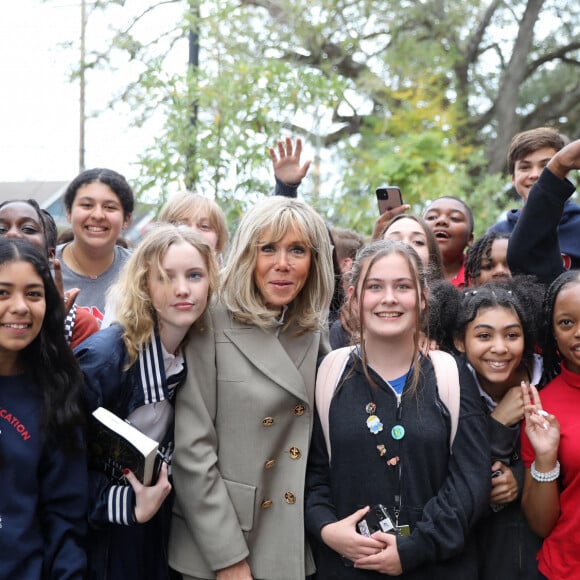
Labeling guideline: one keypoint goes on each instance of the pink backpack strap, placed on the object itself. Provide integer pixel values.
(447, 375)
(327, 377)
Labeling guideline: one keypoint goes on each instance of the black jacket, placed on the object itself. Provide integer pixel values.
(545, 240)
(443, 495)
(506, 546)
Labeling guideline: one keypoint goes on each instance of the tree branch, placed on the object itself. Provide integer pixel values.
(560, 54)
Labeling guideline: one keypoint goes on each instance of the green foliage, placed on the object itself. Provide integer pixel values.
(402, 92)
(416, 149)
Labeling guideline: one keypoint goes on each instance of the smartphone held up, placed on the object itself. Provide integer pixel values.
(388, 197)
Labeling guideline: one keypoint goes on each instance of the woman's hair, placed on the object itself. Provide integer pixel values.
(550, 353)
(108, 177)
(479, 252)
(48, 359)
(134, 310)
(521, 295)
(365, 260)
(186, 203)
(435, 268)
(276, 216)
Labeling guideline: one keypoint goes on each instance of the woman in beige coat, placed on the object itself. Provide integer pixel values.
(244, 416)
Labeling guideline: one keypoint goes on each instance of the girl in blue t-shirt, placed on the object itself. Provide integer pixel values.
(389, 440)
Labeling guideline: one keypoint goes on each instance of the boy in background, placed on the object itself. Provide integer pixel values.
(546, 239)
(528, 155)
(346, 243)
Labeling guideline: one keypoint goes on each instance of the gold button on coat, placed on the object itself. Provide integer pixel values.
(270, 463)
(299, 410)
(267, 421)
(266, 503)
(295, 453)
(289, 497)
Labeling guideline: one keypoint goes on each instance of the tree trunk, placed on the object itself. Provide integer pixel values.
(505, 106)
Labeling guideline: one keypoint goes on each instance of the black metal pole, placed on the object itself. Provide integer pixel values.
(193, 66)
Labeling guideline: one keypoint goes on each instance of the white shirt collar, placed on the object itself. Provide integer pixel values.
(172, 363)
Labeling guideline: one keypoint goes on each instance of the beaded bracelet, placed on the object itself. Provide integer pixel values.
(545, 476)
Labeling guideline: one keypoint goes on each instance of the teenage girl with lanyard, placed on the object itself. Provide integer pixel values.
(390, 441)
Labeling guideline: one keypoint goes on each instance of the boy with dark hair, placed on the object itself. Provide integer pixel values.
(525, 149)
(528, 155)
(546, 239)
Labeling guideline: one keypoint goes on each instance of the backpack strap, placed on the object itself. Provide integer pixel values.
(447, 375)
(334, 363)
(327, 377)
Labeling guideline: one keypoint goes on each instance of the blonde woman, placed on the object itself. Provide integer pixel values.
(239, 509)
(134, 368)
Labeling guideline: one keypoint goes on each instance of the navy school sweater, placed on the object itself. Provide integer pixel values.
(44, 497)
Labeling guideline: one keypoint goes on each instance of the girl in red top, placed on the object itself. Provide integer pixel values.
(451, 221)
(550, 446)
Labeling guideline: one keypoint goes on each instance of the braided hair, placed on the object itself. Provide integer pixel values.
(479, 253)
(551, 354)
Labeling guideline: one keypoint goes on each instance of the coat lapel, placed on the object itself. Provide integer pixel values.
(282, 364)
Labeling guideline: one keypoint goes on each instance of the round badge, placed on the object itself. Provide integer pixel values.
(398, 432)
(374, 424)
(370, 408)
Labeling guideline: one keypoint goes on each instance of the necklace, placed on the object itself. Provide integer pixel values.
(375, 426)
(78, 268)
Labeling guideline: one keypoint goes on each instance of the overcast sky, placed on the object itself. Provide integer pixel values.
(39, 106)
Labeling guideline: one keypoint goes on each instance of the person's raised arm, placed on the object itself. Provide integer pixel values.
(567, 159)
(534, 247)
(287, 168)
